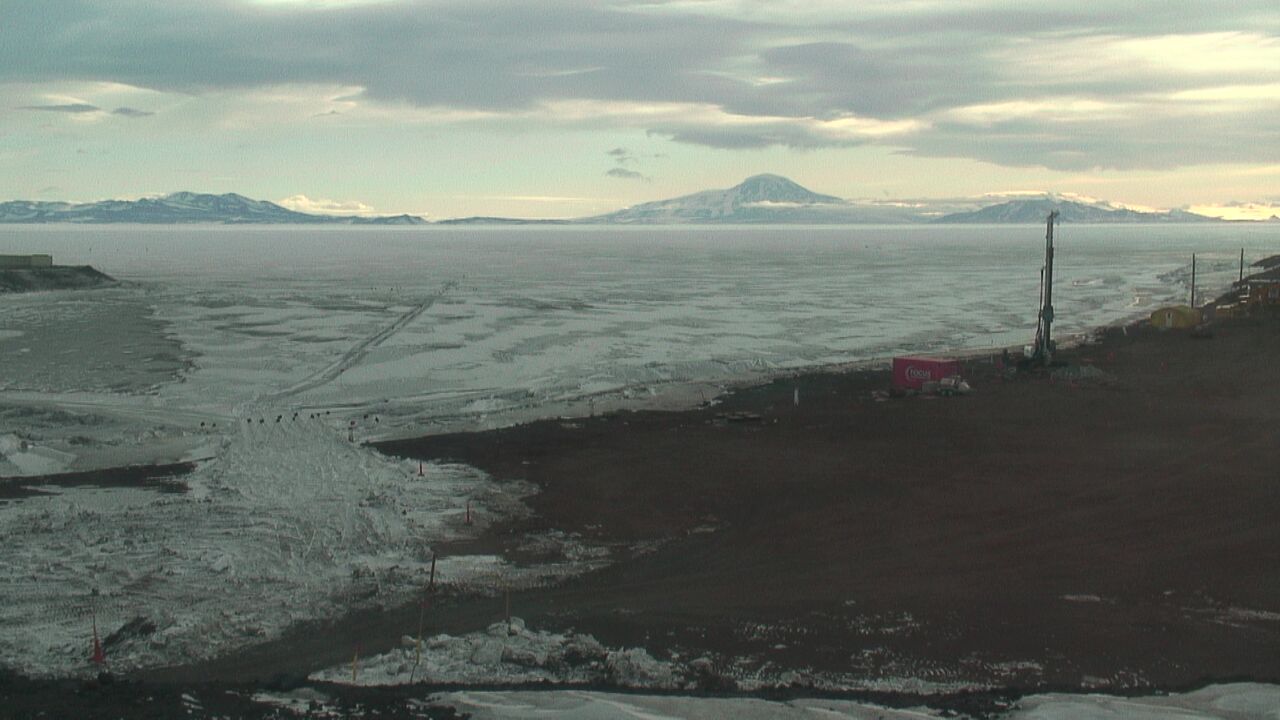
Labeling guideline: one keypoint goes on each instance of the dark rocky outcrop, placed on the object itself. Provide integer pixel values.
(58, 277)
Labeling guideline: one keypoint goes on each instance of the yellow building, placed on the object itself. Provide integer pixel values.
(1176, 316)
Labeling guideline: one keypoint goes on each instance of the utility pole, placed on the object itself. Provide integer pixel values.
(1193, 281)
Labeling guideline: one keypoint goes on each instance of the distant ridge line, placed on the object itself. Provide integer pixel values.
(765, 199)
(183, 208)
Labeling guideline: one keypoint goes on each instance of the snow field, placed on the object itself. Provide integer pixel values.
(589, 705)
(1238, 701)
(1235, 701)
(290, 521)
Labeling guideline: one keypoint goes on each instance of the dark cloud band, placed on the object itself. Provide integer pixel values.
(625, 174)
(131, 112)
(781, 77)
(72, 108)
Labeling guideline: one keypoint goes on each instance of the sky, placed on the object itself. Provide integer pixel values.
(560, 108)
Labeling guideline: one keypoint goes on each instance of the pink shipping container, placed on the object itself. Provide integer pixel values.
(912, 372)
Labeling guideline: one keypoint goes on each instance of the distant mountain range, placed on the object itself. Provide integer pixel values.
(1034, 210)
(773, 199)
(181, 208)
(760, 199)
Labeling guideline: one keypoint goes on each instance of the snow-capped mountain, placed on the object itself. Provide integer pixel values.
(758, 199)
(179, 207)
(1035, 210)
(775, 199)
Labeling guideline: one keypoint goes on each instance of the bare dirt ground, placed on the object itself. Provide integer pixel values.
(1108, 533)
(1116, 533)
(158, 477)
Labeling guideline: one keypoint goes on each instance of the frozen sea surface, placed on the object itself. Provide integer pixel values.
(435, 326)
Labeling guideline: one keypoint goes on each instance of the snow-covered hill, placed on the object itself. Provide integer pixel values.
(180, 207)
(1035, 210)
(775, 199)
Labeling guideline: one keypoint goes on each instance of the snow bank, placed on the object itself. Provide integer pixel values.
(504, 653)
(512, 654)
(1241, 701)
(1236, 701)
(19, 457)
(585, 705)
(507, 652)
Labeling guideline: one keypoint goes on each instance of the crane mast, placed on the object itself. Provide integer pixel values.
(1043, 352)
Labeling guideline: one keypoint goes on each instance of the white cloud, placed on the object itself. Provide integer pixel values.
(1239, 211)
(1230, 96)
(1055, 109)
(324, 206)
(554, 199)
(1220, 53)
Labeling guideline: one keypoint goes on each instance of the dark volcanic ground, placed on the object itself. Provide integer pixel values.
(58, 277)
(1117, 532)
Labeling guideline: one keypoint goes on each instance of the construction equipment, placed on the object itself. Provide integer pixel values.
(1042, 349)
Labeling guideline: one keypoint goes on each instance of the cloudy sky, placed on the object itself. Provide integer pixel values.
(566, 108)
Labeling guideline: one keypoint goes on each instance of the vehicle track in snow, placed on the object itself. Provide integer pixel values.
(356, 353)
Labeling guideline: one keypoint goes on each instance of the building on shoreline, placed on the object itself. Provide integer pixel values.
(1253, 293)
(1261, 288)
(1176, 316)
(25, 261)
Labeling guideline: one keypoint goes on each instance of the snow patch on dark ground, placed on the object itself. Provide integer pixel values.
(510, 653)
